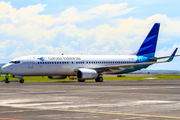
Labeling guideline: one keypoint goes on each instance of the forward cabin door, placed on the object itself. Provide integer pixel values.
(30, 63)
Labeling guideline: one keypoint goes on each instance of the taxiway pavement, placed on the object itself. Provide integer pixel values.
(110, 100)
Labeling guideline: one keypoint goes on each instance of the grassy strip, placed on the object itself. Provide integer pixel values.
(37, 79)
(46, 79)
(158, 77)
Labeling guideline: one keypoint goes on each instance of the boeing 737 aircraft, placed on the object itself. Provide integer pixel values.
(87, 66)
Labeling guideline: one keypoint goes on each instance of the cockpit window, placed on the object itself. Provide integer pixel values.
(15, 62)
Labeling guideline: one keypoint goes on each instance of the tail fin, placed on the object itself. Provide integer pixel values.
(148, 47)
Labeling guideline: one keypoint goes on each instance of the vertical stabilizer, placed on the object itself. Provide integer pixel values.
(148, 47)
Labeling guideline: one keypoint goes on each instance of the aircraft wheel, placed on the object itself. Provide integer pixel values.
(99, 79)
(81, 80)
(7, 81)
(21, 81)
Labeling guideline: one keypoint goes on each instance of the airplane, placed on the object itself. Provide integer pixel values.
(87, 66)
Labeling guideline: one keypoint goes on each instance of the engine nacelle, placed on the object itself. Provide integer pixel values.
(84, 73)
(57, 77)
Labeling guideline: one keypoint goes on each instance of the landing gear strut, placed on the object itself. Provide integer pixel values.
(7, 79)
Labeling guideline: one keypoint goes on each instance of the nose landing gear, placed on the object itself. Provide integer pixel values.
(8, 81)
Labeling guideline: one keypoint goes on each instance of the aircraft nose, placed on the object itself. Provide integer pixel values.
(5, 68)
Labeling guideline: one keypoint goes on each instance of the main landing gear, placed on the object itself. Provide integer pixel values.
(8, 81)
(21, 81)
(81, 80)
(98, 79)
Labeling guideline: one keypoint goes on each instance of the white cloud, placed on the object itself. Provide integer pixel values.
(31, 27)
(29, 14)
(106, 10)
(4, 8)
(110, 10)
(166, 51)
(18, 53)
(73, 43)
(31, 10)
(29, 32)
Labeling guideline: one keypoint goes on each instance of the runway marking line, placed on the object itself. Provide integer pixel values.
(9, 119)
(93, 92)
(112, 113)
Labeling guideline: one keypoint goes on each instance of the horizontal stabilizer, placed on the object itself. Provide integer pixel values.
(157, 58)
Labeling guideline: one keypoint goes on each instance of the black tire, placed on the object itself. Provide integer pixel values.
(81, 80)
(7, 81)
(21, 81)
(99, 79)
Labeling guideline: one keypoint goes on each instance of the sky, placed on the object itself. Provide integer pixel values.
(96, 27)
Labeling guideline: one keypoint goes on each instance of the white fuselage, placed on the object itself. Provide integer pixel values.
(51, 65)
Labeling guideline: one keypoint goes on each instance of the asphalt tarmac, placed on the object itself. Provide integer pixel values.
(110, 100)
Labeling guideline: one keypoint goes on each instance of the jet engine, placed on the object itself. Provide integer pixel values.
(84, 73)
(57, 77)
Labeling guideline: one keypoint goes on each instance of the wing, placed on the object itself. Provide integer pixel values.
(131, 66)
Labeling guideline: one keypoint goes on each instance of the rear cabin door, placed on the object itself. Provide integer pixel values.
(140, 61)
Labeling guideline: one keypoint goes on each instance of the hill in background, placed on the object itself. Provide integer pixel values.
(1, 72)
(157, 72)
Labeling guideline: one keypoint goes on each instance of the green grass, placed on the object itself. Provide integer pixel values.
(156, 77)
(46, 79)
(38, 79)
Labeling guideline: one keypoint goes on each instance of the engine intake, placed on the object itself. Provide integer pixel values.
(84, 73)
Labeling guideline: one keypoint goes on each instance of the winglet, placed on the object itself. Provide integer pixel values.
(172, 56)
